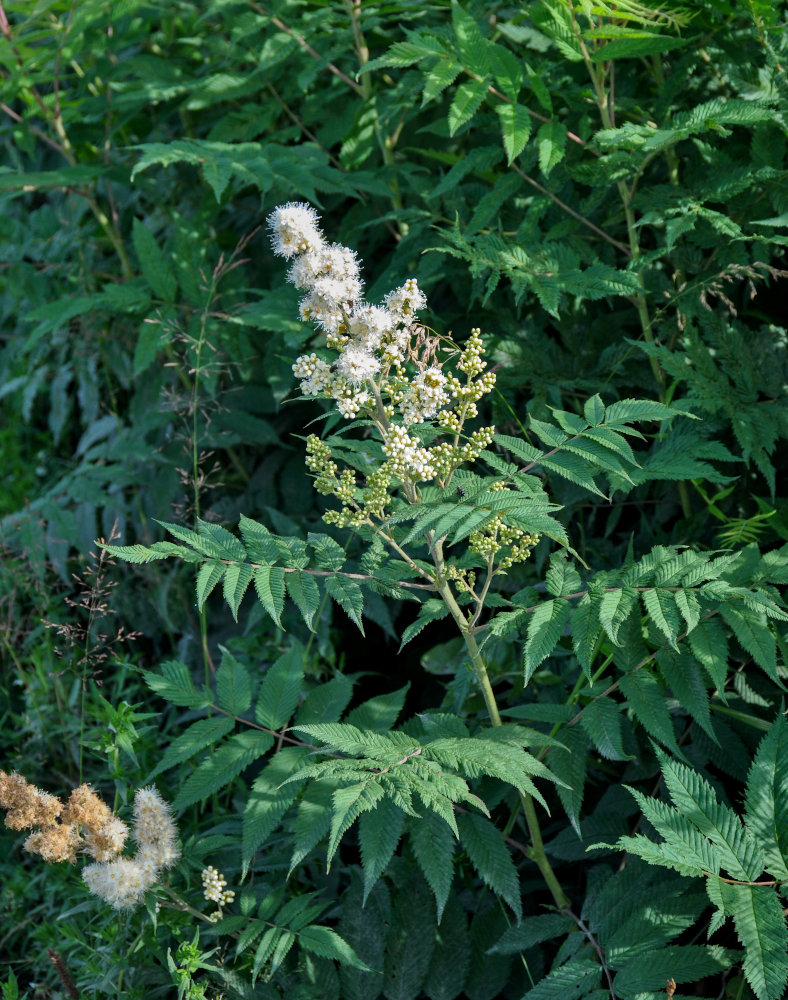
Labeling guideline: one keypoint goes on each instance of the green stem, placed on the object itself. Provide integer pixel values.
(536, 851)
(385, 142)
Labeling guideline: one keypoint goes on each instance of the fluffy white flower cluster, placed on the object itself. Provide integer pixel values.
(372, 341)
(121, 881)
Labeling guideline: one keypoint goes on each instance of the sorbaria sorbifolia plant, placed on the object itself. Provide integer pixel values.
(446, 514)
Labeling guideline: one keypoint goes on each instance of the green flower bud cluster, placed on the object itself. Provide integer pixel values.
(496, 535)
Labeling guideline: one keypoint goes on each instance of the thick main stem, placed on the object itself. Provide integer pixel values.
(536, 851)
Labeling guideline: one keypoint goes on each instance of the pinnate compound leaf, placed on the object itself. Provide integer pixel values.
(544, 630)
(740, 854)
(280, 689)
(760, 926)
(490, 857)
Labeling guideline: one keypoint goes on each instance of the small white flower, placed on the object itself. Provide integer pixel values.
(367, 325)
(326, 312)
(294, 229)
(408, 459)
(424, 396)
(315, 374)
(406, 300)
(357, 365)
(334, 263)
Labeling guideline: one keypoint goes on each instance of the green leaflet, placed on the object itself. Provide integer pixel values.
(545, 628)
(267, 802)
(224, 764)
(766, 805)
(467, 101)
(281, 689)
(490, 857)
(175, 685)
(434, 845)
(601, 719)
(760, 926)
(379, 833)
(451, 956)
(233, 685)
(198, 736)
(647, 702)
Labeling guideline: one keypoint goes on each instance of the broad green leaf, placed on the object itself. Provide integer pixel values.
(210, 573)
(176, 686)
(437, 79)
(379, 713)
(269, 799)
(507, 70)
(269, 582)
(614, 608)
(198, 736)
(305, 594)
(471, 44)
(236, 581)
(347, 594)
(551, 143)
(645, 698)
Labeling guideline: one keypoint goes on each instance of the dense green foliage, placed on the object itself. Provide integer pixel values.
(568, 779)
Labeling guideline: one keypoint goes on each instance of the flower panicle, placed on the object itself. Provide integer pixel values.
(388, 367)
(85, 824)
